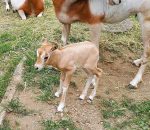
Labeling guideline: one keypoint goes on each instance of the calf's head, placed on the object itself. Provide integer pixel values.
(44, 53)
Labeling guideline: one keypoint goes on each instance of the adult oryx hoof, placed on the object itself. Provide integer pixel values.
(136, 64)
(130, 86)
(7, 8)
(14, 11)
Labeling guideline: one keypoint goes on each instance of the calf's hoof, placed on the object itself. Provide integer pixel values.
(82, 97)
(57, 94)
(60, 108)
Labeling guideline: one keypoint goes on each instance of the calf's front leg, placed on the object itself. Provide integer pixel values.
(59, 91)
(65, 86)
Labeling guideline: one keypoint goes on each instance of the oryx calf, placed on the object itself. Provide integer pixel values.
(67, 60)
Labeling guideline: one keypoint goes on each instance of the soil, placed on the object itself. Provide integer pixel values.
(85, 115)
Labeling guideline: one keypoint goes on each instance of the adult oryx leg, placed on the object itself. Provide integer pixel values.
(138, 62)
(7, 5)
(146, 54)
(65, 33)
(95, 30)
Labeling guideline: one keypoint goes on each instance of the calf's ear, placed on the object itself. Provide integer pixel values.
(54, 46)
(44, 41)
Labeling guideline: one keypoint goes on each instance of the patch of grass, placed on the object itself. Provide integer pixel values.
(58, 125)
(49, 79)
(7, 37)
(17, 107)
(45, 79)
(6, 42)
(5, 126)
(135, 115)
(5, 79)
(113, 109)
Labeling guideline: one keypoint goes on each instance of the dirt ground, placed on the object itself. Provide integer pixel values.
(86, 116)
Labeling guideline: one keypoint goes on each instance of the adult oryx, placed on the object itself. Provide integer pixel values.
(97, 12)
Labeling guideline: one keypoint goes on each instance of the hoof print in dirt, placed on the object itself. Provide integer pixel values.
(131, 86)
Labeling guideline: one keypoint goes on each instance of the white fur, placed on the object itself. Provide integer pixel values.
(93, 94)
(62, 104)
(7, 4)
(60, 107)
(57, 94)
(22, 14)
(40, 14)
(37, 53)
(137, 62)
(88, 83)
(138, 77)
(96, 7)
(63, 39)
(41, 65)
(16, 4)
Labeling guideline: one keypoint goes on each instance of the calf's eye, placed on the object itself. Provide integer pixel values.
(45, 58)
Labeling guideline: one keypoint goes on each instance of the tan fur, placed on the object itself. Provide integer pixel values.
(84, 55)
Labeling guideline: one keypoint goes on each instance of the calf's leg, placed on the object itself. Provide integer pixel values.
(65, 86)
(88, 83)
(62, 76)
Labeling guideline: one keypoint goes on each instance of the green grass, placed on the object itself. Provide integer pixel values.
(58, 125)
(20, 38)
(6, 77)
(17, 107)
(126, 115)
(5, 126)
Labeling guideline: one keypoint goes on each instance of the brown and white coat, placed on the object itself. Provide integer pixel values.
(97, 12)
(27, 7)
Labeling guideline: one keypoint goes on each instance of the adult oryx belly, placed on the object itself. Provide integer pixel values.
(117, 13)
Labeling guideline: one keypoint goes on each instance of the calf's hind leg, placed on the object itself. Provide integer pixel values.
(97, 73)
(88, 83)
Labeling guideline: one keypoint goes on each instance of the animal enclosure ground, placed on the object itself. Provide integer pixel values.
(34, 105)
